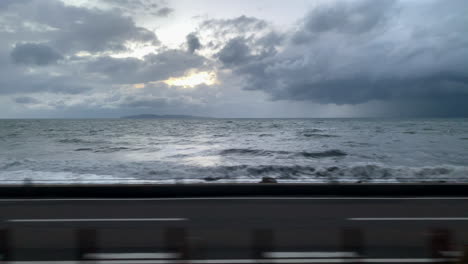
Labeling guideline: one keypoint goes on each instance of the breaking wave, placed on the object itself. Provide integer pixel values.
(305, 154)
(164, 173)
(358, 173)
(80, 141)
(73, 140)
(107, 149)
(314, 135)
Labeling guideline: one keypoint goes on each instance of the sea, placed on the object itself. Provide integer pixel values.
(173, 151)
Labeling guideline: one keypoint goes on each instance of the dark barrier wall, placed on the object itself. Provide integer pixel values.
(223, 190)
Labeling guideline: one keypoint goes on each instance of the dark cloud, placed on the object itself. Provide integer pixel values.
(241, 40)
(193, 43)
(164, 12)
(55, 31)
(26, 100)
(357, 52)
(235, 52)
(353, 53)
(140, 7)
(241, 24)
(54, 78)
(153, 67)
(347, 17)
(35, 83)
(34, 54)
(127, 3)
(82, 29)
(6, 3)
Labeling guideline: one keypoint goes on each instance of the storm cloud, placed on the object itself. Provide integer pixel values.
(356, 52)
(26, 100)
(72, 29)
(164, 12)
(193, 43)
(35, 54)
(152, 67)
(402, 58)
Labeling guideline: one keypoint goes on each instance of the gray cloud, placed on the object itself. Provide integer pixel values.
(41, 38)
(356, 52)
(6, 3)
(153, 67)
(164, 12)
(26, 100)
(241, 24)
(235, 52)
(130, 3)
(348, 17)
(35, 83)
(34, 54)
(55, 78)
(156, 8)
(80, 29)
(193, 43)
(241, 40)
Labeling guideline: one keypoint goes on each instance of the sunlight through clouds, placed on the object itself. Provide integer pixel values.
(193, 79)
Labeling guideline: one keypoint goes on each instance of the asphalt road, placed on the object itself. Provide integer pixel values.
(242, 229)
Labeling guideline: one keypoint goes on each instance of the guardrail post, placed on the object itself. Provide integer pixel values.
(262, 241)
(5, 246)
(86, 243)
(440, 241)
(175, 239)
(197, 248)
(352, 240)
(464, 258)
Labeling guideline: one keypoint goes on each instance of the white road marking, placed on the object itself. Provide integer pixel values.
(231, 198)
(310, 254)
(406, 260)
(94, 220)
(408, 219)
(452, 254)
(126, 256)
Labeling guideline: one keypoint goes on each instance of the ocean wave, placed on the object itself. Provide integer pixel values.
(111, 149)
(107, 149)
(254, 152)
(80, 141)
(311, 130)
(84, 149)
(319, 135)
(305, 154)
(357, 173)
(10, 164)
(19, 177)
(324, 154)
(72, 140)
(146, 173)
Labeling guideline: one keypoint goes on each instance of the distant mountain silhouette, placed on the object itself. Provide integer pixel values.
(150, 116)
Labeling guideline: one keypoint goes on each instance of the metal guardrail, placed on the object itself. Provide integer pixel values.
(178, 250)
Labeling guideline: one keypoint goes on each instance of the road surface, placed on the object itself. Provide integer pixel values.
(234, 230)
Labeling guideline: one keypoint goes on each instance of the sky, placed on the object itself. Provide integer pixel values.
(263, 58)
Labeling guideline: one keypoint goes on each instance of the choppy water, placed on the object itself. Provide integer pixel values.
(233, 150)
